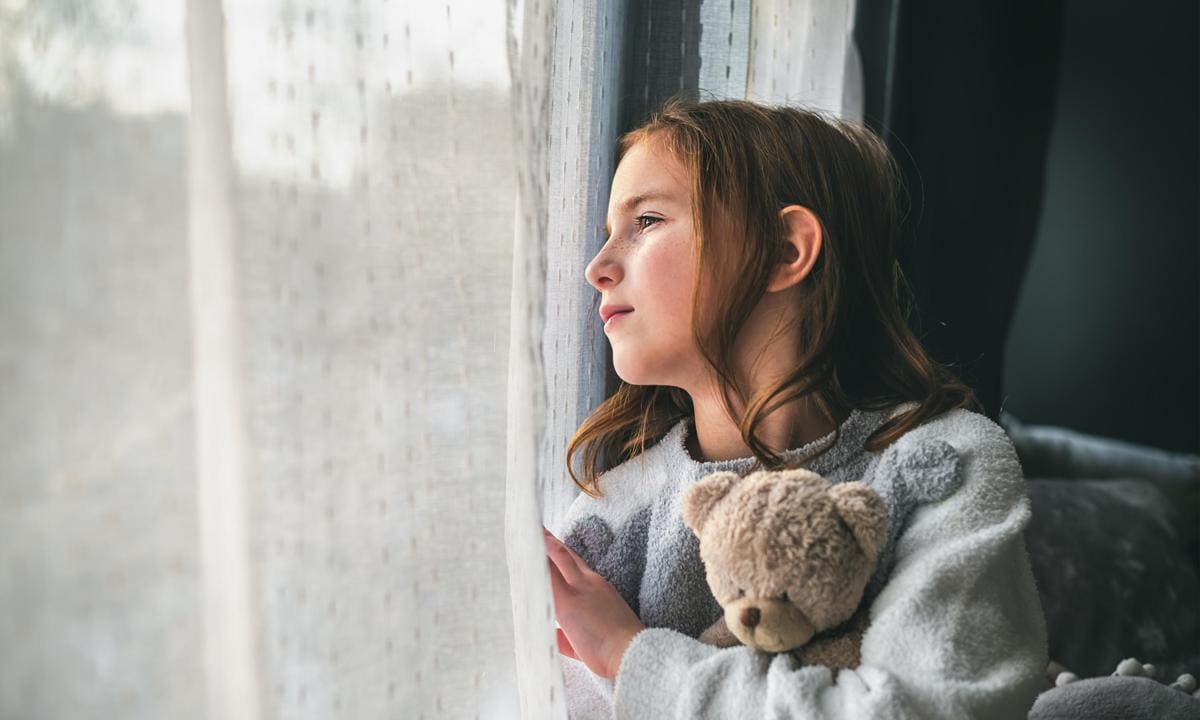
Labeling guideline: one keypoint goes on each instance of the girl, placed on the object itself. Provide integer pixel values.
(752, 296)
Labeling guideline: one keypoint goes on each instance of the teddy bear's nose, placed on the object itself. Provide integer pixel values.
(751, 616)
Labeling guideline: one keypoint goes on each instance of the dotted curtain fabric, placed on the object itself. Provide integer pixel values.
(372, 173)
(100, 580)
(256, 266)
(802, 53)
(564, 62)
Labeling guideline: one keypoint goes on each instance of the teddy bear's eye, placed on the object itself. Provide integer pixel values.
(741, 592)
(784, 597)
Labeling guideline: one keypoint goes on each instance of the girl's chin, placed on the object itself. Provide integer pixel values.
(632, 373)
(641, 375)
(634, 370)
(634, 380)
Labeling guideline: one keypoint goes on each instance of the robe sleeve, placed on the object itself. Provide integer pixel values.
(957, 633)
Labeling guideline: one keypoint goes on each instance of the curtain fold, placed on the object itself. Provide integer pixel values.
(803, 53)
(999, 118)
(233, 683)
(529, 36)
(564, 65)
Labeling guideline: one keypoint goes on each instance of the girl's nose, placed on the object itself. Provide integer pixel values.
(602, 271)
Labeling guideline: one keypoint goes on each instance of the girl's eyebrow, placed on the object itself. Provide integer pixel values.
(632, 202)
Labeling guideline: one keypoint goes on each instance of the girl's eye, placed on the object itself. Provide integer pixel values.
(640, 218)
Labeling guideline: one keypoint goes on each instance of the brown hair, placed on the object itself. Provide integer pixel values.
(746, 161)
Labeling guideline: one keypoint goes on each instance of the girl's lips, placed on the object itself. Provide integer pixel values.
(615, 317)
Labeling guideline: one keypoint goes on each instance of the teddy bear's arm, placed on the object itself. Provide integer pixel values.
(718, 634)
(836, 651)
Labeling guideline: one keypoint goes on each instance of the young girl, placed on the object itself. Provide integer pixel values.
(751, 293)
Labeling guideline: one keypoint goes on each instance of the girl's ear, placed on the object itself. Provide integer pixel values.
(802, 245)
(699, 499)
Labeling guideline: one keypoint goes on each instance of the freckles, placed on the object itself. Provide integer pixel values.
(672, 263)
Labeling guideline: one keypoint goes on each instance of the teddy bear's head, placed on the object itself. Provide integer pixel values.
(786, 553)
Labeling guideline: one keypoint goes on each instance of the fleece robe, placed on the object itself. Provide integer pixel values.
(956, 627)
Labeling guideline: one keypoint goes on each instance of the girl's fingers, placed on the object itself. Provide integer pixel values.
(558, 586)
(564, 645)
(569, 564)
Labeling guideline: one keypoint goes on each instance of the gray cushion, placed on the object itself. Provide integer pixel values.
(1115, 545)
(1112, 575)
(1115, 698)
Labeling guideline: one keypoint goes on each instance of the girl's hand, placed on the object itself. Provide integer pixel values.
(596, 624)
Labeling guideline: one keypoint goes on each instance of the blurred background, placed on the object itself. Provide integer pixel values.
(1105, 337)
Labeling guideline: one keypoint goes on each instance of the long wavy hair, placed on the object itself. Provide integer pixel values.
(746, 161)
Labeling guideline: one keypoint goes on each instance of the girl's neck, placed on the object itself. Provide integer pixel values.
(716, 437)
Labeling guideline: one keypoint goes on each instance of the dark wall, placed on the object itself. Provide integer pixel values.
(1106, 333)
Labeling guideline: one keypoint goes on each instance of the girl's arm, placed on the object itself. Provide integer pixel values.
(956, 634)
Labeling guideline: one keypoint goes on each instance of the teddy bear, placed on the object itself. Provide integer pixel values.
(787, 555)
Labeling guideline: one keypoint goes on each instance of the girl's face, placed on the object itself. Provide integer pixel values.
(647, 264)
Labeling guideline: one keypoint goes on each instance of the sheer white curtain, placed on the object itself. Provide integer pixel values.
(281, 282)
(256, 266)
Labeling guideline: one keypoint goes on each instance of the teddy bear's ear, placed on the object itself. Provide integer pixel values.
(699, 499)
(864, 511)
